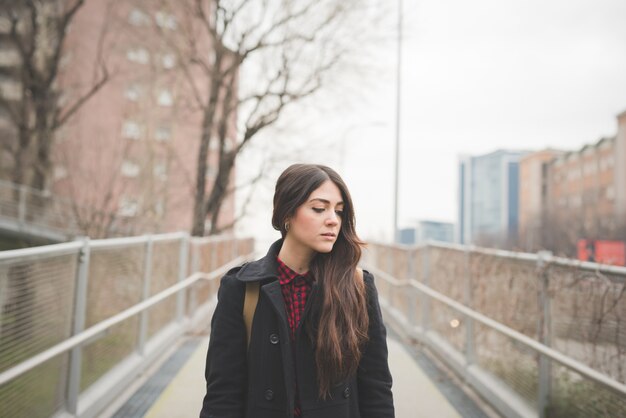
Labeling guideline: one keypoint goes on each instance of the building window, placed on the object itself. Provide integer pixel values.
(10, 89)
(133, 92)
(138, 55)
(228, 145)
(210, 172)
(160, 171)
(60, 172)
(610, 193)
(128, 206)
(168, 61)
(163, 134)
(10, 57)
(131, 130)
(66, 59)
(165, 98)
(4, 117)
(138, 18)
(130, 169)
(159, 207)
(165, 20)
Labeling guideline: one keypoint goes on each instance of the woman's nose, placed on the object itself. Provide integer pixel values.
(333, 219)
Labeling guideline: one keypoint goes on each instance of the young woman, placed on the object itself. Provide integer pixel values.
(317, 347)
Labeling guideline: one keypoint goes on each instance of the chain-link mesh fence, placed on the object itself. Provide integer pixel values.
(41, 303)
(578, 309)
(27, 205)
(36, 299)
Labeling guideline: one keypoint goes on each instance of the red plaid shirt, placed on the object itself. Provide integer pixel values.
(296, 289)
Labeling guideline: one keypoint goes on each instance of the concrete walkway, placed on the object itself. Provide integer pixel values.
(415, 395)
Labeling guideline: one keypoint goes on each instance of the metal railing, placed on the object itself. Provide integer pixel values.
(29, 207)
(45, 215)
(535, 335)
(79, 321)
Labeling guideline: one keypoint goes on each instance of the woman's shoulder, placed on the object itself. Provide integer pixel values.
(366, 276)
(368, 280)
(230, 283)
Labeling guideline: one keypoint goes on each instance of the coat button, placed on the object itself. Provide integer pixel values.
(269, 395)
(274, 339)
(346, 393)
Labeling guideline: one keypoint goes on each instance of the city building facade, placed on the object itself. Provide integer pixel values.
(427, 230)
(128, 156)
(582, 188)
(488, 198)
(620, 167)
(588, 193)
(571, 196)
(10, 94)
(533, 202)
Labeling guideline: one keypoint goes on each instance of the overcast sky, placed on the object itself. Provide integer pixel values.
(476, 76)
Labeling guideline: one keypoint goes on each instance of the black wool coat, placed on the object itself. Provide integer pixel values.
(260, 383)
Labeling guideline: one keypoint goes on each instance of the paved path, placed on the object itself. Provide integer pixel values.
(415, 395)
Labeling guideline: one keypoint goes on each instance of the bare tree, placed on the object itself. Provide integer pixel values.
(37, 30)
(559, 229)
(244, 63)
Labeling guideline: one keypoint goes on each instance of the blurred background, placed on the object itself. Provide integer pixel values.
(153, 116)
(462, 129)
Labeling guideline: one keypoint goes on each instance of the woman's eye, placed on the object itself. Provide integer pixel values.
(318, 210)
(339, 212)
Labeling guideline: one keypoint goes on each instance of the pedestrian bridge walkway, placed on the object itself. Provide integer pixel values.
(83, 323)
(416, 395)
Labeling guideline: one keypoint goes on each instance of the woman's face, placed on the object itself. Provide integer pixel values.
(317, 222)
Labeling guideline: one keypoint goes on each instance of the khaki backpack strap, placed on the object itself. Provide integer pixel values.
(249, 306)
(359, 273)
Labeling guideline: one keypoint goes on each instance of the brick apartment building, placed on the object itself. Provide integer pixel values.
(534, 196)
(574, 195)
(10, 92)
(130, 151)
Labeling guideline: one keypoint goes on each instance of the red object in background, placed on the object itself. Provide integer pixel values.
(605, 252)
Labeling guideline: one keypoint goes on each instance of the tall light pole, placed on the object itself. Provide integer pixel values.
(396, 234)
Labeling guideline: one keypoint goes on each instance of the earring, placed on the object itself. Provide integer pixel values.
(286, 226)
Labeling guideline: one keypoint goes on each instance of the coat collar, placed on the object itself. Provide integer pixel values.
(263, 268)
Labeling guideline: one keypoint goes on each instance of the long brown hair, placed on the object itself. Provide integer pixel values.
(342, 320)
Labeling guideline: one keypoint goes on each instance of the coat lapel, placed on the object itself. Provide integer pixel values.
(275, 296)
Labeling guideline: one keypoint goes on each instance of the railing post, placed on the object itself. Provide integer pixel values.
(182, 274)
(544, 333)
(410, 290)
(195, 267)
(78, 325)
(213, 265)
(145, 294)
(234, 248)
(213, 261)
(21, 204)
(470, 356)
(390, 271)
(424, 299)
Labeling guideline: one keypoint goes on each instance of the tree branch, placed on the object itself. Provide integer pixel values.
(61, 119)
(53, 64)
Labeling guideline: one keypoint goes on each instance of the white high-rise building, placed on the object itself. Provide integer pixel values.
(488, 197)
